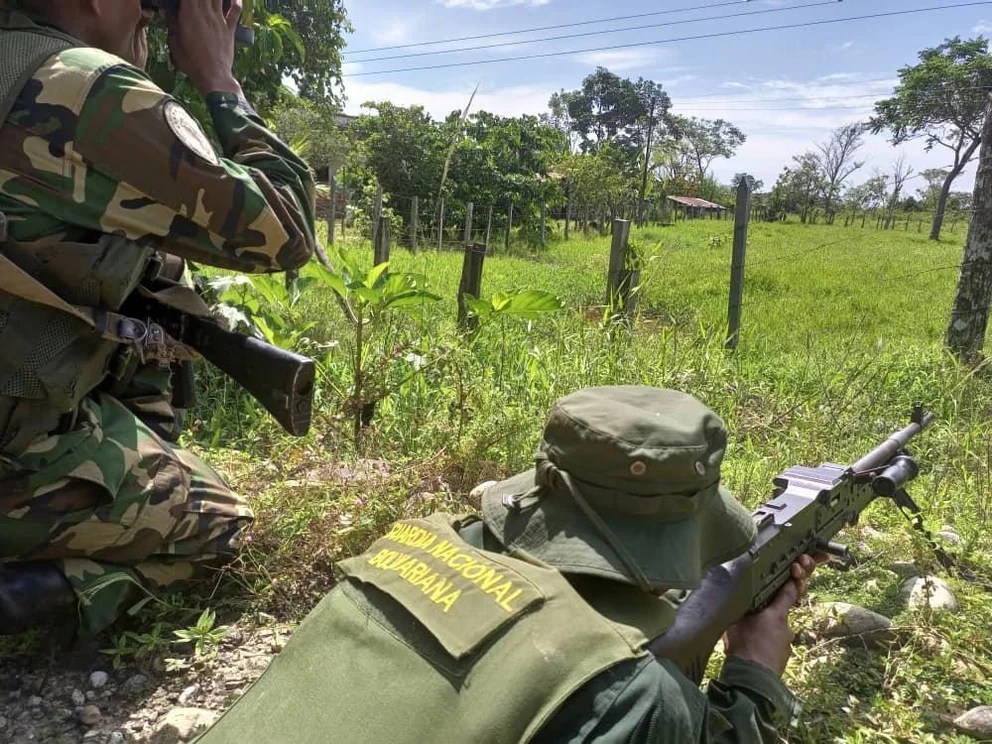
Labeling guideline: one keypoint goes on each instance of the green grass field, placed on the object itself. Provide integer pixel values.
(841, 333)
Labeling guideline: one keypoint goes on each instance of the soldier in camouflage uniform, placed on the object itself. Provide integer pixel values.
(101, 174)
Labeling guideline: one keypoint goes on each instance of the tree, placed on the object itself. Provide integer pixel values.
(800, 186)
(835, 158)
(901, 172)
(970, 314)
(608, 108)
(312, 131)
(401, 148)
(872, 194)
(656, 104)
(321, 25)
(559, 118)
(706, 140)
(941, 99)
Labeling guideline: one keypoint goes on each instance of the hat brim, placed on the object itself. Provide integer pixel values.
(671, 554)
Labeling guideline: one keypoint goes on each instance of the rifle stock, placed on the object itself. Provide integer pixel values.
(809, 506)
(280, 380)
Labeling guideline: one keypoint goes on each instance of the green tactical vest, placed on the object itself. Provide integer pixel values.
(429, 639)
(53, 358)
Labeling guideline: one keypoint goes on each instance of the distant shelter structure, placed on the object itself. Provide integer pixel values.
(694, 208)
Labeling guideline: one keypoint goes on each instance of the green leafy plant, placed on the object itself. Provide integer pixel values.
(375, 296)
(526, 304)
(204, 634)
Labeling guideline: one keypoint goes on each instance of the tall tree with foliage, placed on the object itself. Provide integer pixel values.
(941, 99)
(608, 108)
(706, 140)
(970, 314)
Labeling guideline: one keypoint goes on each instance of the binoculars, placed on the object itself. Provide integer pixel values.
(243, 35)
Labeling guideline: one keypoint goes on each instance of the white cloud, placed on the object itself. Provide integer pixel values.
(395, 30)
(490, 4)
(506, 101)
(621, 59)
(983, 27)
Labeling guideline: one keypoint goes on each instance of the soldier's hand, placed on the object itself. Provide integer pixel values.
(765, 637)
(201, 40)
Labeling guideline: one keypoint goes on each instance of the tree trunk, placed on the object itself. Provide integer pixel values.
(970, 313)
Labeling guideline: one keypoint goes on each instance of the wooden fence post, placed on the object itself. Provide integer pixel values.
(381, 245)
(737, 265)
(471, 283)
(620, 281)
(414, 222)
(376, 212)
(509, 228)
(568, 210)
(469, 209)
(440, 225)
(919, 225)
(489, 225)
(544, 223)
(332, 205)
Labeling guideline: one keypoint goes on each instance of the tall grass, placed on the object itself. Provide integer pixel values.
(842, 332)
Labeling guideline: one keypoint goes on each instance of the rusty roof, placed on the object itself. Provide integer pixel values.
(695, 201)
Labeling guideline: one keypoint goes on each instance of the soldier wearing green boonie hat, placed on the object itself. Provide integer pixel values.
(533, 622)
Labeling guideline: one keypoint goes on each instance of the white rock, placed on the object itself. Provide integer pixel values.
(855, 624)
(181, 725)
(931, 591)
(78, 698)
(90, 715)
(977, 722)
(950, 537)
(98, 679)
(116, 737)
(3, 723)
(188, 694)
(903, 569)
(476, 493)
(34, 701)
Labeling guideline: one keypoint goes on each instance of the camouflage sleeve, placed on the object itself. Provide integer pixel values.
(93, 143)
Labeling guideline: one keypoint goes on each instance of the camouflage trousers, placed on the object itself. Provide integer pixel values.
(118, 508)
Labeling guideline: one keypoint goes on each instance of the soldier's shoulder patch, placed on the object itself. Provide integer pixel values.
(189, 132)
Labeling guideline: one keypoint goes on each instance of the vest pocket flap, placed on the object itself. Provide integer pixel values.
(461, 595)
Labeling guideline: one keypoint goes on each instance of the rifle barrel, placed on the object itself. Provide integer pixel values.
(888, 449)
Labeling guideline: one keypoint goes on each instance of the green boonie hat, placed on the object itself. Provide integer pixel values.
(626, 487)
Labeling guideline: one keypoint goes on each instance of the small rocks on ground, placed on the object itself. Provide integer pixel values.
(98, 679)
(854, 624)
(976, 723)
(134, 684)
(188, 694)
(182, 724)
(932, 591)
(90, 715)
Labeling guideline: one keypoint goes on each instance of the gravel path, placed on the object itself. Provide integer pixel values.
(76, 696)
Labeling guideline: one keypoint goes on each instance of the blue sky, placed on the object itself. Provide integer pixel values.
(786, 89)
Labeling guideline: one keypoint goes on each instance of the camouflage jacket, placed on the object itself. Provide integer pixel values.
(93, 145)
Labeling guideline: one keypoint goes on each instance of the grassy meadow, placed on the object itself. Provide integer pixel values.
(841, 333)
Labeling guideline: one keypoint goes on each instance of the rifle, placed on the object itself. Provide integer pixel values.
(809, 506)
(280, 380)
